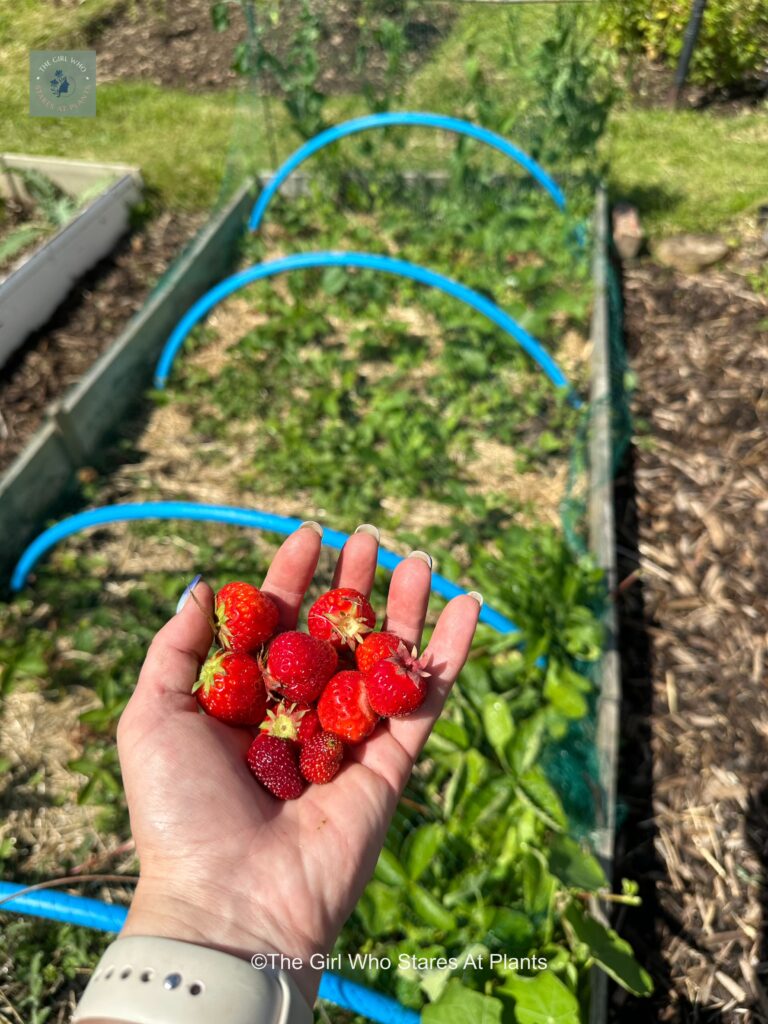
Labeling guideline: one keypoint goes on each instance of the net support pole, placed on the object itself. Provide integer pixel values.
(689, 45)
(602, 542)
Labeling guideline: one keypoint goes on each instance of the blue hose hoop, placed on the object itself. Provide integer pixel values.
(423, 119)
(194, 511)
(366, 261)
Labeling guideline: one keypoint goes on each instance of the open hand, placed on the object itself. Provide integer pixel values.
(223, 863)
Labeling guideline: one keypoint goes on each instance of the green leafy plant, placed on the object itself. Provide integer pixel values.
(480, 876)
(383, 29)
(53, 209)
(573, 83)
(732, 43)
(296, 74)
(282, 48)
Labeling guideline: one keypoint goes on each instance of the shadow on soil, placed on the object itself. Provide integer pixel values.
(756, 829)
(636, 853)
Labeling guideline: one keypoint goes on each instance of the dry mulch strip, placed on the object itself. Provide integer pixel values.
(693, 520)
(85, 325)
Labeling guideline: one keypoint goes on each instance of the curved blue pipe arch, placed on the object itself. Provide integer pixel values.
(366, 261)
(422, 119)
(232, 516)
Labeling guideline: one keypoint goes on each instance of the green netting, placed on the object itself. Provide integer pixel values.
(574, 765)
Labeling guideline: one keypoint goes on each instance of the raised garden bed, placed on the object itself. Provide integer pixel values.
(346, 398)
(78, 421)
(86, 229)
(55, 357)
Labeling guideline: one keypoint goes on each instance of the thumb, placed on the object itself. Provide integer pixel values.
(179, 649)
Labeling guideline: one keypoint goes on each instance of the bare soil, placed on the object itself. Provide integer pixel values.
(98, 308)
(174, 43)
(652, 85)
(693, 514)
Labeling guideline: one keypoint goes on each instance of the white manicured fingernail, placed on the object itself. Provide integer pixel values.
(187, 591)
(310, 524)
(368, 528)
(477, 597)
(423, 556)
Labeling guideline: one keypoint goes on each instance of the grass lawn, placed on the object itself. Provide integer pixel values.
(688, 170)
(179, 141)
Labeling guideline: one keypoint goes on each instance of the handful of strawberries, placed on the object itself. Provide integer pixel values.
(311, 694)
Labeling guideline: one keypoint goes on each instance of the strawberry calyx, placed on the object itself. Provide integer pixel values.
(408, 662)
(284, 721)
(348, 626)
(221, 629)
(208, 672)
(270, 682)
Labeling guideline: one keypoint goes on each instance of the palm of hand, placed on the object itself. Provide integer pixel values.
(223, 861)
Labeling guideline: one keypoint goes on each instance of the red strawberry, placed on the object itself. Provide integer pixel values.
(344, 708)
(231, 689)
(274, 762)
(295, 722)
(245, 618)
(375, 647)
(309, 725)
(343, 616)
(299, 665)
(397, 685)
(321, 757)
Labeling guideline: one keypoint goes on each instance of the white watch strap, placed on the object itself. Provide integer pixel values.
(147, 980)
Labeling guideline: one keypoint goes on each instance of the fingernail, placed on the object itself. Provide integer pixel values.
(368, 528)
(477, 597)
(187, 591)
(310, 524)
(423, 556)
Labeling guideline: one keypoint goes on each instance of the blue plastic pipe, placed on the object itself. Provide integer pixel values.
(371, 1005)
(60, 906)
(367, 261)
(412, 117)
(105, 917)
(192, 510)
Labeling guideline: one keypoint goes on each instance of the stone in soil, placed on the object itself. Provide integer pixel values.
(690, 253)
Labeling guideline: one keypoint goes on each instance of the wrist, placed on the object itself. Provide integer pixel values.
(220, 920)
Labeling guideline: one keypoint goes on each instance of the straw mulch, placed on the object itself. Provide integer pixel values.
(693, 529)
